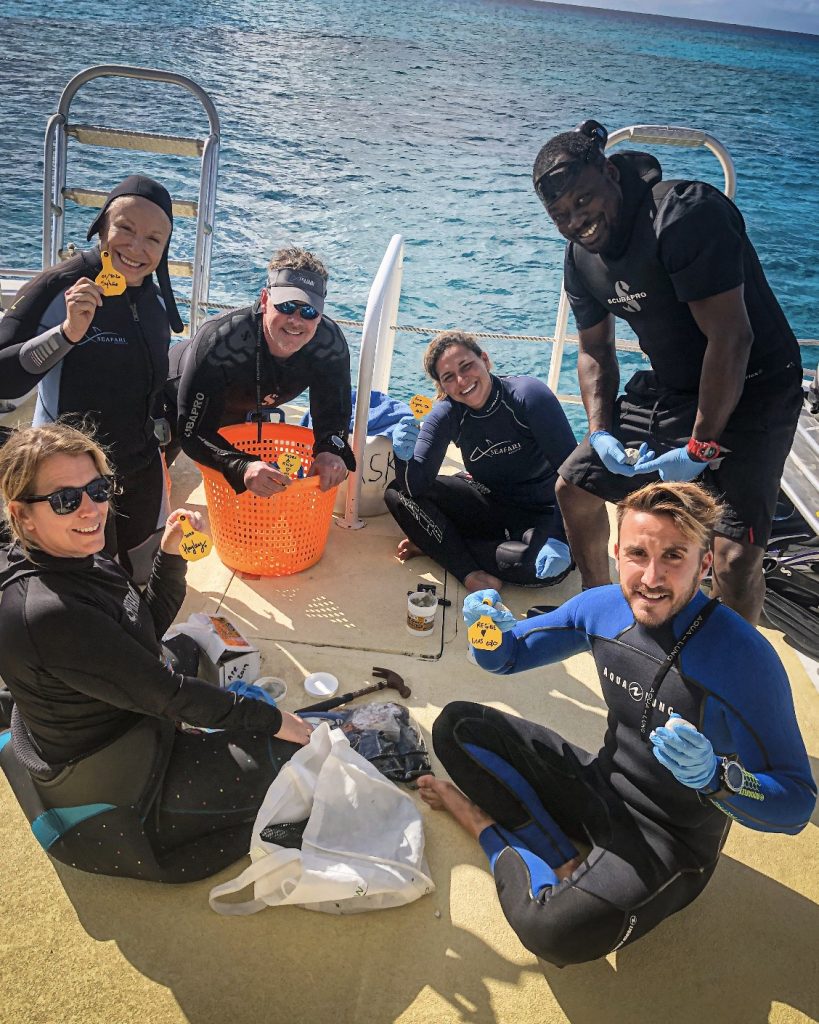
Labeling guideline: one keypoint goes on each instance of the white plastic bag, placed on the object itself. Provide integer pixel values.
(363, 846)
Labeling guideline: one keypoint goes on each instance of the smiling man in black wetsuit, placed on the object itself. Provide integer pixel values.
(260, 357)
(723, 394)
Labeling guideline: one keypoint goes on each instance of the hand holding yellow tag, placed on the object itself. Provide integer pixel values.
(288, 462)
(420, 406)
(194, 544)
(484, 634)
(110, 280)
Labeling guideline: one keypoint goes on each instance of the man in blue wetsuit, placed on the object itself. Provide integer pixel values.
(499, 521)
(701, 732)
(722, 398)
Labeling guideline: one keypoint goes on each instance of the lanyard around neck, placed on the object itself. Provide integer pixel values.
(699, 620)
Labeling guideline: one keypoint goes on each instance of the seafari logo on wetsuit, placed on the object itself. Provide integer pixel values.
(98, 337)
(624, 299)
(499, 448)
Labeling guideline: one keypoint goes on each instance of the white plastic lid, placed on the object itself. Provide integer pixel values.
(276, 687)
(321, 684)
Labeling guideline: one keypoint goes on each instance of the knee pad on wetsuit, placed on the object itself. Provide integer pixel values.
(511, 554)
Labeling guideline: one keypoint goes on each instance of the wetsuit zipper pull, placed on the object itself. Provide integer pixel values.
(134, 312)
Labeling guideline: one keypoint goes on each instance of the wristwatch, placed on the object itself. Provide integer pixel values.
(703, 451)
(336, 446)
(730, 777)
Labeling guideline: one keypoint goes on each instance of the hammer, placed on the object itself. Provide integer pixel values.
(389, 680)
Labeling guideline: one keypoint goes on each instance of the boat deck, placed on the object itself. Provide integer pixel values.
(85, 950)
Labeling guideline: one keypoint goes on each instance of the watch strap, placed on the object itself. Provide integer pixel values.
(344, 452)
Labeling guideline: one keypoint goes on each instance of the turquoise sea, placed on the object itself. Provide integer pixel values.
(343, 123)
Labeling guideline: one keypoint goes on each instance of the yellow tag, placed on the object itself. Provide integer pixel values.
(110, 280)
(288, 462)
(484, 634)
(194, 544)
(420, 406)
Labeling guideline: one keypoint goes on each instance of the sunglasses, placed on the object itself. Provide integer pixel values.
(288, 308)
(66, 500)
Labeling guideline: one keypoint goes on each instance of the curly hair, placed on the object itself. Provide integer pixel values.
(439, 344)
(297, 259)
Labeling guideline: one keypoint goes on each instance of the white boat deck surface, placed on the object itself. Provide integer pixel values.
(81, 949)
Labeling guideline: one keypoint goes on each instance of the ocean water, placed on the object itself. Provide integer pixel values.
(344, 123)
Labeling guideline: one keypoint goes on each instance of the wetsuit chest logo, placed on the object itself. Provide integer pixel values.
(626, 299)
(494, 448)
(99, 337)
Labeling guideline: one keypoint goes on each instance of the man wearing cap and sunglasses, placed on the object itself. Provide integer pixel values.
(103, 358)
(722, 398)
(258, 358)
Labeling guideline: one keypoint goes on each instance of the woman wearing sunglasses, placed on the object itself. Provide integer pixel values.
(106, 780)
(499, 521)
(104, 358)
(255, 359)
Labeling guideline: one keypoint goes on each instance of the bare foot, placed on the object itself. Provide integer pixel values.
(407, 550)
(481, 581)
(442, 795)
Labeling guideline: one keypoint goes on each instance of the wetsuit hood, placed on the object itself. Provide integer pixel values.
(16, 564)
(147, 188)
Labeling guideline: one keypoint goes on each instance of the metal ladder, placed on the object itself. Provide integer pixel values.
(56, 193)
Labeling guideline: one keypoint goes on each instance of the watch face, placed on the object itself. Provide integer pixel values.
(709, 451)
(733, 776)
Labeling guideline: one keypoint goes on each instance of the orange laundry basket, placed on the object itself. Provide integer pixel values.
(275, 536)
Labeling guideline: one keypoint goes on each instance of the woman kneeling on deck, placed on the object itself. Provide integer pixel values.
(499, 521)
(108, 783)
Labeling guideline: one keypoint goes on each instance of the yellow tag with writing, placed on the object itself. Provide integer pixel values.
(420, 406)
(110, 280)
(484, 634)
(194, 544)
(288, 462)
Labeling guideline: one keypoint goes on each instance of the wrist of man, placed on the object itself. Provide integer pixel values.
(703, 451)
(335, 444)
(67, 336)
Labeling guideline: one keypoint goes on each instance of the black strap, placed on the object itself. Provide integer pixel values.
(259, 383)
(699, 620)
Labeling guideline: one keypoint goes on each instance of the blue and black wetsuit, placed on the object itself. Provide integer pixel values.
(499, 516)
(654, 842)
(113, 788)
(113, 378)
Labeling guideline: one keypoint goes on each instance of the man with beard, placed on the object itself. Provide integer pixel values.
(701, 731)
(722, 398)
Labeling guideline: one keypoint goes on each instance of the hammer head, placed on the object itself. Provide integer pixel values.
(392, 680)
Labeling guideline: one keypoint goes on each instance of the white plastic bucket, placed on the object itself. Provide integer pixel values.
(379, 470)
(422, 607)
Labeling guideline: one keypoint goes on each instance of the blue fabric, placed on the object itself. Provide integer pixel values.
(49, 826)
(243, 689)
(495, 839)
(544, 837)
(552, 559)
(385, 414)
(4, 738)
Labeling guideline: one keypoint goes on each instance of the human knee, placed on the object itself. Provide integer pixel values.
(555, 925)
(738, 567)
(443, 729)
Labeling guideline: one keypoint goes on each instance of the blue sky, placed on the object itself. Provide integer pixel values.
(789, 15)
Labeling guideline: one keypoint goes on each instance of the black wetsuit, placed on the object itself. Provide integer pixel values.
(499, 516)
(113, 378)
(678, 242)
(654, 842)
(80, 652)
(216, 380)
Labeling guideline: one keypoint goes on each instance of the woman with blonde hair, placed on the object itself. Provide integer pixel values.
(108, 783)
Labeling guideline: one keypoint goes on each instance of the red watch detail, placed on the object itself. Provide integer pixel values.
(703, 451)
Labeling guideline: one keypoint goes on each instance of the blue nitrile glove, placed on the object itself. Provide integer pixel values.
(553, 559)
(612, 453)
(676, 465)
(686, 753)
(404, 437)
(251, 691)
(474, 608)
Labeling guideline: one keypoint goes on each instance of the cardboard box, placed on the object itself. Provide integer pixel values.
(225, 655)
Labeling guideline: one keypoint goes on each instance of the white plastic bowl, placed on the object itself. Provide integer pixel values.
(321, 684)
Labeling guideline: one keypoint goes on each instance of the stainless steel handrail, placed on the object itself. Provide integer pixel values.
(55, 156)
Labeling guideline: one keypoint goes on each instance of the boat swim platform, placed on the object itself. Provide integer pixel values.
(82, 949)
